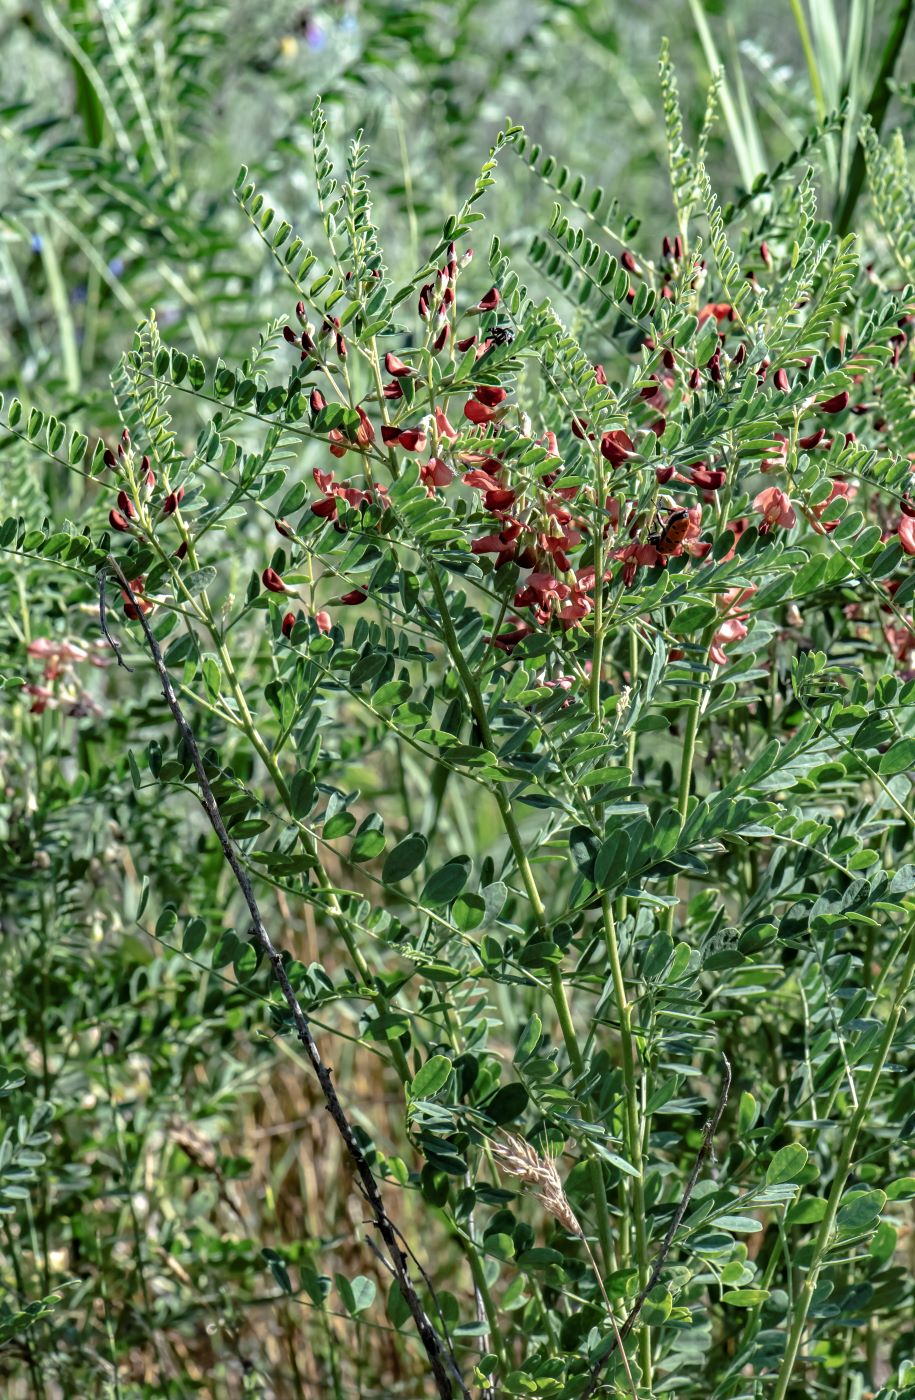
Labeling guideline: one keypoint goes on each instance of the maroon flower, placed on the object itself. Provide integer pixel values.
(272, 581)
(616, 447)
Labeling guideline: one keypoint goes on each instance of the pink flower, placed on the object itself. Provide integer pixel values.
(775, 508)
(443, 427)
(733, 629)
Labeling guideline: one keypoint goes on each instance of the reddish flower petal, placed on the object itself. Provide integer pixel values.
(490, 395)
(272, 581)
(477, 412)
(616, 447)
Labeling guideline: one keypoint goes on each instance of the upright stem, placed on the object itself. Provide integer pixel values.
(843, 1167)
(876, 110)
(632, 1128)
(557, 986)
(686, 763)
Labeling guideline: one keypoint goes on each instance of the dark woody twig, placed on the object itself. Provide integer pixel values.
(367, 1183)
(103, 620)
(709, 1132)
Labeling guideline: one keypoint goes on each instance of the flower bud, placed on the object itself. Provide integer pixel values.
(780, 380)
(172, 501)
(117, 522)
(316, 401)
(394, 365)
(288, 624)
(127, 505)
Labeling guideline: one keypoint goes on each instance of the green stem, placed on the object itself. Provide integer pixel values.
(268, 758)
(492, 1316)
(843, 1167)
(876, 110)
(557, 986)
(687, 760)
(632, 1128)
(803, 30)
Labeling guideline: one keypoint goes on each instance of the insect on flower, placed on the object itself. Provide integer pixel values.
(672, 533)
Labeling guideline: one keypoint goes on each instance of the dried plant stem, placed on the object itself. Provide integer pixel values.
(438, 1362)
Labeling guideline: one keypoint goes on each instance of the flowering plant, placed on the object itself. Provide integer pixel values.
(550, 670)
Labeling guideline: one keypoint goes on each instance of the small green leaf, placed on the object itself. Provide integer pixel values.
(787, 1164)
(406, 857)
(446, 883)
(433, 1076)
(745, 1297)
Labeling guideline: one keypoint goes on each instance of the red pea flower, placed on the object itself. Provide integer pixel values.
(272, 581)
(434, 473)
(354, 597)
(490, 301)
(721, 310)
(477, 412)
(412, 439)
(490, 395)
(616, 447)
(117, 521)
(708, 479)
(394, 365)
(836, 404)
(775, 508)
(288, 624)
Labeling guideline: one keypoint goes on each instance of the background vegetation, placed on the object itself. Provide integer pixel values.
(177, 1217)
